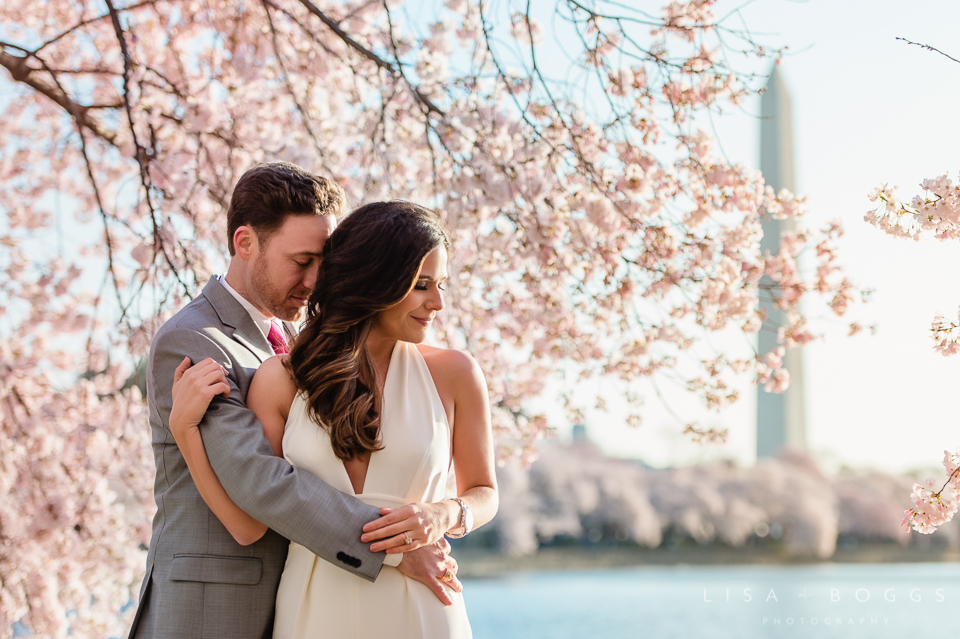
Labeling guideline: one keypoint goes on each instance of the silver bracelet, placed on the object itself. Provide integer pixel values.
(466, 521)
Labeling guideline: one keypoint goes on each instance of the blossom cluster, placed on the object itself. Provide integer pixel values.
(75, 503)
(932, 508)
(946, 335)
(936, 212)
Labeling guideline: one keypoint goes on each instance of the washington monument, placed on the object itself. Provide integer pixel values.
(781, 421)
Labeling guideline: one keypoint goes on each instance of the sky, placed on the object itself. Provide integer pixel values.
(867, 109)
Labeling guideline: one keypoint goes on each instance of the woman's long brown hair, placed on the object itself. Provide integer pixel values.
(369, 263)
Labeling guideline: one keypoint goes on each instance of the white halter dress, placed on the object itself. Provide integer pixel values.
(318, 599)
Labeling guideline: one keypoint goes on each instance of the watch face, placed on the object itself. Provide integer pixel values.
(468, 519)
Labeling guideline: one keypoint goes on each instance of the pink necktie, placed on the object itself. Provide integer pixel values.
(276, 339)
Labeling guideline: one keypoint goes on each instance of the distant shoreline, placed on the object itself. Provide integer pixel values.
(475, 563)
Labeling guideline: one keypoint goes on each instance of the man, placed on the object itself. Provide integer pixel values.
(200, 581)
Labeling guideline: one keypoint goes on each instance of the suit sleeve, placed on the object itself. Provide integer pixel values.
(292, 502)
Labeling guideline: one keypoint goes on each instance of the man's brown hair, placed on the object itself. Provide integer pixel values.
(266, 194)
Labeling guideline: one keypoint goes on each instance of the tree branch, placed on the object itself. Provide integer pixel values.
(370, 55)
(293, 95)
(142, 155)
(929, 48)
(21, 71)
(343, 35)
(84, 23)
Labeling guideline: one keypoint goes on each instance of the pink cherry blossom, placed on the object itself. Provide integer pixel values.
(933, 508)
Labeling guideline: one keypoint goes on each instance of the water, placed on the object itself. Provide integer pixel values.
(718, 602)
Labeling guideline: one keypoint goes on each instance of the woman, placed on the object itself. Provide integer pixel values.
(364, 405)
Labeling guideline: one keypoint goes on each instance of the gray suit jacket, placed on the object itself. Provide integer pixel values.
(200, 583)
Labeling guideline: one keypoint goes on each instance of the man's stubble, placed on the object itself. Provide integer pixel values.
(273, 300)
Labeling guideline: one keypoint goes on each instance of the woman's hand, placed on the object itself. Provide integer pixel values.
(193, 389)
(422, 523)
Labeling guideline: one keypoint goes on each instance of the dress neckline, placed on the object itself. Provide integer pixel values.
(373, 456)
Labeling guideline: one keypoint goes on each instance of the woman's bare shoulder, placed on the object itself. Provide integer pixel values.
(275, 370)
(449, 362)
(273, 383)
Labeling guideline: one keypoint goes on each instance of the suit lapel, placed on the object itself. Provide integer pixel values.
(234, 316)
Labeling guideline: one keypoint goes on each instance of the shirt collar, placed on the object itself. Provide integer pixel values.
(262, 321)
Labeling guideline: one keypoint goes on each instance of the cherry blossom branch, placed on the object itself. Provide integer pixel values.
(289, 86)
(294, 20)
(334, 26)
(89, 21)
(142, 154)
(929, 48)
(107, 239)
(367, 53)
(21, 71)
(398, 69)
(545, 85)
(78, 115)
(952, 476)
(706, 435)
(594, 15)
(934, 508)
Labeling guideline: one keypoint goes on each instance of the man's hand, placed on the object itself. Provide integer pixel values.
(428, 565)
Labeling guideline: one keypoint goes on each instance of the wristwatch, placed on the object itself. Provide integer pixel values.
(466, 521)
